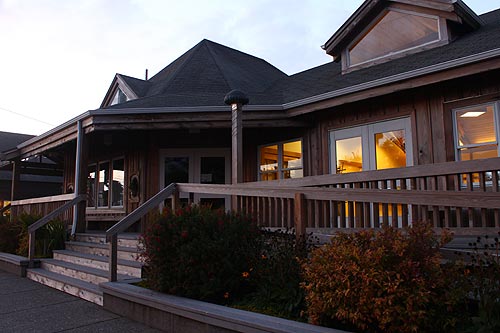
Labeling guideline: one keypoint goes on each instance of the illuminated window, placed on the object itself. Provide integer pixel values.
(281, 160)
(476, 132)
(394, 32)
(375, 146)
(105, 184)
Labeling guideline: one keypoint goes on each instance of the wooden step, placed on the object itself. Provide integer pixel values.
(125, 267)
(84, 273)
(75, 287)
(124, 240)
(126, 253)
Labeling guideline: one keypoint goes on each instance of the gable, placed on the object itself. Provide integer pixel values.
(383, 30)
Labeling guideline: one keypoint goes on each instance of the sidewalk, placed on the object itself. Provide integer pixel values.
(26, 306)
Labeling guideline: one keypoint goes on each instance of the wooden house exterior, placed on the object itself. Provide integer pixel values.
(403, 125)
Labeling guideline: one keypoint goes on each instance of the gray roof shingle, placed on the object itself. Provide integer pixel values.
(206, 73)
(11, 140)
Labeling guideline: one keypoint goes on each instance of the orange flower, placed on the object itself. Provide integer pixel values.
(245, 274)
(263, 257)
(226, 295)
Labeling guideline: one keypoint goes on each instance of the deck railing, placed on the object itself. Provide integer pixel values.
(42, 206)
(463, 196)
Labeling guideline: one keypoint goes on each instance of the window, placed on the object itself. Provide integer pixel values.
(394, 32)
(375, 146)
(105, 184)
(119, 97)
(476, 132)
(281, 160)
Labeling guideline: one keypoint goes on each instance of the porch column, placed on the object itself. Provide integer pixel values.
(80, 180)
(236, 99)
(16, 180)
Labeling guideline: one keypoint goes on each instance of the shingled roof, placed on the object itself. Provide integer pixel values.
(11, 140)
(203, 76)
(206, 73)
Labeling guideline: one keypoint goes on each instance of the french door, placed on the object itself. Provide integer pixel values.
(375, 146)
(202, 166)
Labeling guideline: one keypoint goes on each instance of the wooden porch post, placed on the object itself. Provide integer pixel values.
(80, 181)
(16, 178)
(236, 99)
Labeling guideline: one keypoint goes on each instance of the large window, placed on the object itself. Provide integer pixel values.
(105, 184)
(394, 32)
(476, 132)
(281, 160)
(375, 146)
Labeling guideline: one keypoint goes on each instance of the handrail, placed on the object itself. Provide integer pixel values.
(4, 209)
(42, 200)
(46, 219)
(427, 170)
(141, 211)
(127, 221)
(417, 197)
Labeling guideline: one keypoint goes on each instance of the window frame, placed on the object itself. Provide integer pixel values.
(496, 125)
(280, 170)
(442, 39)
(366, 132)
(97, 165)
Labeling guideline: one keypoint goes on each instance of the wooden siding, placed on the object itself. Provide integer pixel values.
(429, 109)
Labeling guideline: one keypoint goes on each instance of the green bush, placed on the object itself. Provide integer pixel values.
(9, 235)
(390, 281)
(48, 238)
(276, 276)
(200, 253)
(483, 277)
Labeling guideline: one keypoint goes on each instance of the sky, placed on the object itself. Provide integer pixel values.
(58, 57)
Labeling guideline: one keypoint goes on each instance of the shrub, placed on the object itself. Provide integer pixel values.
(48, 238)
(483, 277)
(9, 235)
(200, 253)
(276, 276)
(390, 281)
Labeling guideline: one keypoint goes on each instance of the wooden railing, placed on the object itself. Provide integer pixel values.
(48, 217)
(42, 206)
(126, 222)
(463, 196)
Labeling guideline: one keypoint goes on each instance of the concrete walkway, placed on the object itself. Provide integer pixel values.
(26, 306)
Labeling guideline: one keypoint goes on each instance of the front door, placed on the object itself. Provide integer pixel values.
(203, 166)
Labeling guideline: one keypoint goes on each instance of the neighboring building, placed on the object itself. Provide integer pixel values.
(412, 84)
(40, 177)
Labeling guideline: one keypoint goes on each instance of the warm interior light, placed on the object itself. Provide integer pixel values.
(472, 114)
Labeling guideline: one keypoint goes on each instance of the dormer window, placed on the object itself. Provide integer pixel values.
(395, 33)
(119, 97)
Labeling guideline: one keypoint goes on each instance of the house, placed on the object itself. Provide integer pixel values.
(403, 124)
(40, 176)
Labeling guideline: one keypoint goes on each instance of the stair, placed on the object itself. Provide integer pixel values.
(83, 265)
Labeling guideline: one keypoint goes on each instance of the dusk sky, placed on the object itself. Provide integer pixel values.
(59, 57)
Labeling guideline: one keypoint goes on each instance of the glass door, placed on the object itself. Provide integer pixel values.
(203, 166)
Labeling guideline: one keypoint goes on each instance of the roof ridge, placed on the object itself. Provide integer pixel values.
(209, 47)
(189, 54)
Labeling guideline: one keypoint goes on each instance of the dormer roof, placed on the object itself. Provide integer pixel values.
(460, 17)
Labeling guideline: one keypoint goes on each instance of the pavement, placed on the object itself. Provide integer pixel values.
(27, 306)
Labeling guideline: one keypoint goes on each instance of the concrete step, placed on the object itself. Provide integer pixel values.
(124, 240)
(75, 287)
(125, 253)
(125, 267)
(83, 273)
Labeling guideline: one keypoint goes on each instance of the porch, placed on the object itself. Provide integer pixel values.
(461, 196)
